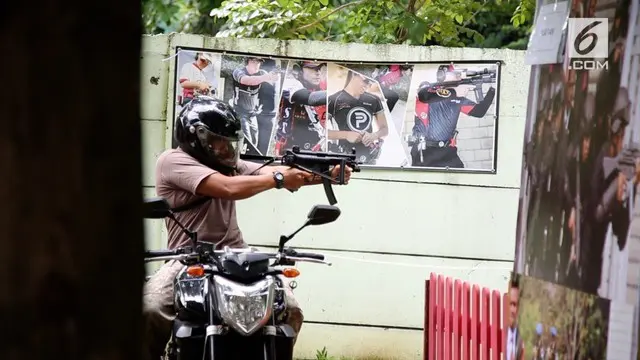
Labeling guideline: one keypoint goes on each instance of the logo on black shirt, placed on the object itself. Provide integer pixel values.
(445, 93)
(359, 119)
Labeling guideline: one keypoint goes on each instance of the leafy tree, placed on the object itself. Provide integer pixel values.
(188, 16)
(488, 23)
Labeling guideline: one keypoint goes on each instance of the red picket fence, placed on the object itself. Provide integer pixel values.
(463, 321)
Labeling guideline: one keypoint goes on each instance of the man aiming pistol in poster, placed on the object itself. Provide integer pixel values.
(247, 81)
(438, 107)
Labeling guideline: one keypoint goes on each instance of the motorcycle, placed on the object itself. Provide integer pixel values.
(230, 303)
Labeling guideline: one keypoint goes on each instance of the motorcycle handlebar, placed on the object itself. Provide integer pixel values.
(159, 253)
(309, 255)
(178, 254)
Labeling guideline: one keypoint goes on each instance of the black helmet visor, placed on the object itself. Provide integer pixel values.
(224, 150)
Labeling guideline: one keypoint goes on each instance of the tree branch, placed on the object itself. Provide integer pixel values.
(339, 8)
(411, 6)
(474, 14)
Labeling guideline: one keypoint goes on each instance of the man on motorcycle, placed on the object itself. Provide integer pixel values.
(203, 178)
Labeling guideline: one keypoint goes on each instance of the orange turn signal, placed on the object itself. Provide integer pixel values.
(195, 270)
(290, 273)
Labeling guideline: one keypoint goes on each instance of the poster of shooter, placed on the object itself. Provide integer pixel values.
(436, 116)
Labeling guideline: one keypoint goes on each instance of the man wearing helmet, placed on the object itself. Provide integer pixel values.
(303, 108)
(201, 179)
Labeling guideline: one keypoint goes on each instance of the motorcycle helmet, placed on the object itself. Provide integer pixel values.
(210, 131)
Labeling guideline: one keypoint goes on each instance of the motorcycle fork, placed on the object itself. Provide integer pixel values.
(209, 336)
(270, 343)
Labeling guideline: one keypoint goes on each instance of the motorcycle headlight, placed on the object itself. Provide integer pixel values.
(246, 308)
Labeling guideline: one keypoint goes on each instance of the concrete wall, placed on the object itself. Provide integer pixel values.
(396, 227)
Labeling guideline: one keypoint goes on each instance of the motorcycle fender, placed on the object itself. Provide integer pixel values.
(287, 330)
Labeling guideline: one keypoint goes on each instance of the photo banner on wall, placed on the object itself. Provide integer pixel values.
(578, 227)
(419, 116)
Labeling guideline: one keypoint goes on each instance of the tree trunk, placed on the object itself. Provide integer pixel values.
(71, 269)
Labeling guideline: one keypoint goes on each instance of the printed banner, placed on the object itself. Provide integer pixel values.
(415, 116)
(549, 321)
(578, 220)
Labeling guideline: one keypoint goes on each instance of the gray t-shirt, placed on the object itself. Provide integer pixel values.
(177, 178)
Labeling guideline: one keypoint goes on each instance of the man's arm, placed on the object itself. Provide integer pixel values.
(381, 119)
(182, 171)
(185, 75)
(241, 76)
(478, 110)
(308, 97)
(234, 187)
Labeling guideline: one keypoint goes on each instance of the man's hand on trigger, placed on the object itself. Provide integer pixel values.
(294, 178)
(335, 173)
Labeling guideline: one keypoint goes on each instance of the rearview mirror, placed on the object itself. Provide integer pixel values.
(155, 208)
(323, 214)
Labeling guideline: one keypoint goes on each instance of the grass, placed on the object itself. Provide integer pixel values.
(324, 355)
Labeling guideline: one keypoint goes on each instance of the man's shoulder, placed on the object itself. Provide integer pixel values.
(336, 95)
(240, 71)
(187, 67)
(175, 157)
(369, 97)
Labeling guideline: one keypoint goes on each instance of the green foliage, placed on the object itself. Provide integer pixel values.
(365, 21)
(524, 13)
(449, 23)
(188, 16)
(323, 355)
(494, 23)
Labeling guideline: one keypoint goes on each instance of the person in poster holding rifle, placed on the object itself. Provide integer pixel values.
(438, 107)
(611, 196)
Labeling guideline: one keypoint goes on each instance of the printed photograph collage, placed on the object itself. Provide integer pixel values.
(415, 116)
(574, 290)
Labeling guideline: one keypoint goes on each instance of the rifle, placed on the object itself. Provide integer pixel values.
(476, 78)
(625, 163)
(317, 163)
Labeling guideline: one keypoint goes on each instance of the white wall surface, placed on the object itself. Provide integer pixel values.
(396, 226)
